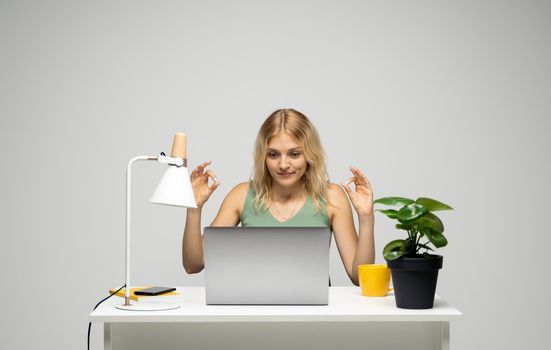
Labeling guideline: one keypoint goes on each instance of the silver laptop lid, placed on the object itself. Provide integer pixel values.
(267, 265)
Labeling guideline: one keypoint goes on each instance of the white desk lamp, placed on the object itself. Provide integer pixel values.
(173, 189)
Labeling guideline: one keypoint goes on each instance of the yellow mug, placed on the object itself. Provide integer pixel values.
(374, 279)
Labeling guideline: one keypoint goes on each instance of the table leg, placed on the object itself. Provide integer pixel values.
(107, 345)
(445, 335)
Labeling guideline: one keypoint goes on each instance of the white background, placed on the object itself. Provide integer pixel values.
(445, 99)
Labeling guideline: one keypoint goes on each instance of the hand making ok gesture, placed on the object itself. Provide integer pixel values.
(362, 196)
(200, 182)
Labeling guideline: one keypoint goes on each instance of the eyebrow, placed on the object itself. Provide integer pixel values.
(291, 149)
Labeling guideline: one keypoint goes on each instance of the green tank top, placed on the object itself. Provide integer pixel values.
(306, 216)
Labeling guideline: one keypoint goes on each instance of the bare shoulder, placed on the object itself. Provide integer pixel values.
(336, 197)
(240, 189)
(335, 193)
(232, 206)
(337, 202)
(236, 197)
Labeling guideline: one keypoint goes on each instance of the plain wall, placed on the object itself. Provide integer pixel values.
(445, 99)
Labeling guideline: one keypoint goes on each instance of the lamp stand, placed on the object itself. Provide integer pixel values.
(152, 305)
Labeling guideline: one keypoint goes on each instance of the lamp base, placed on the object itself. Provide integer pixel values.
(148, 307)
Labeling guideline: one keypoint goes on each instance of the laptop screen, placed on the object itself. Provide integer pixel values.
(267, 265)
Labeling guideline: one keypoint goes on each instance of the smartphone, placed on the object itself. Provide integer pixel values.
(154, 290)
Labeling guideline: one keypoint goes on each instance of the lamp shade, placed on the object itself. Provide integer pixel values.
(175, 188)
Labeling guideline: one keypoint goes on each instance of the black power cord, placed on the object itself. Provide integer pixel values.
(95, 307)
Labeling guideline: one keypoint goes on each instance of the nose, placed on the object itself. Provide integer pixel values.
(283, 163)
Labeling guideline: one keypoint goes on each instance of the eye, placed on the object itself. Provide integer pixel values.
(272, 154)
(295, 154)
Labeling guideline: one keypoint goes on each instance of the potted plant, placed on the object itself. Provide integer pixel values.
(414, 270)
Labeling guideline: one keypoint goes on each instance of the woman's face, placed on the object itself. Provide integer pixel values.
(285, 159)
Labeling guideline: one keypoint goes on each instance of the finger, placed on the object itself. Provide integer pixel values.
(365, 180)
(214, 186)
(362, 179)
(367, 183)
(213, 177)
(357, 174)
(362, 175)
(199, 169)
(354, 171)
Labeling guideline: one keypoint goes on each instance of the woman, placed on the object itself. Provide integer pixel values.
(289, 188)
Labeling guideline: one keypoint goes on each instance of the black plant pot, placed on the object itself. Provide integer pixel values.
(415, 280)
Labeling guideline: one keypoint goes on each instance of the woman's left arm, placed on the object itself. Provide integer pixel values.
(354, 249)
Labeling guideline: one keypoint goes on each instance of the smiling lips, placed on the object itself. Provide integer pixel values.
(285, 174)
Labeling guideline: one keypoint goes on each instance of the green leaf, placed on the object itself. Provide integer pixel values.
(406, 227)
(429, 220)
(391, 213)
(435, 237)
(411, 212)
(394, 201)
(394, 245)
(432, 204)
(394, 249)
(392, 255)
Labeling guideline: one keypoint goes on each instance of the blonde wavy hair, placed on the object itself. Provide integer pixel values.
(315, 178)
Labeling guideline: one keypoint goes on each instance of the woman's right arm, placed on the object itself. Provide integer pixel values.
(192, 242)
(228, 215)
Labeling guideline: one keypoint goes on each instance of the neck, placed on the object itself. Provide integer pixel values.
(284, 194)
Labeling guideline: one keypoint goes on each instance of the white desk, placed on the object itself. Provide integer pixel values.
(350, 321)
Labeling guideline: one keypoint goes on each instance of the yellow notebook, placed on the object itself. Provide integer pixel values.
(134, 296)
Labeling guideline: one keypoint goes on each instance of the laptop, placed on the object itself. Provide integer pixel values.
(267, 265)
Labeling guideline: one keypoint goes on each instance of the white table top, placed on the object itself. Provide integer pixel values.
(345, 304)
